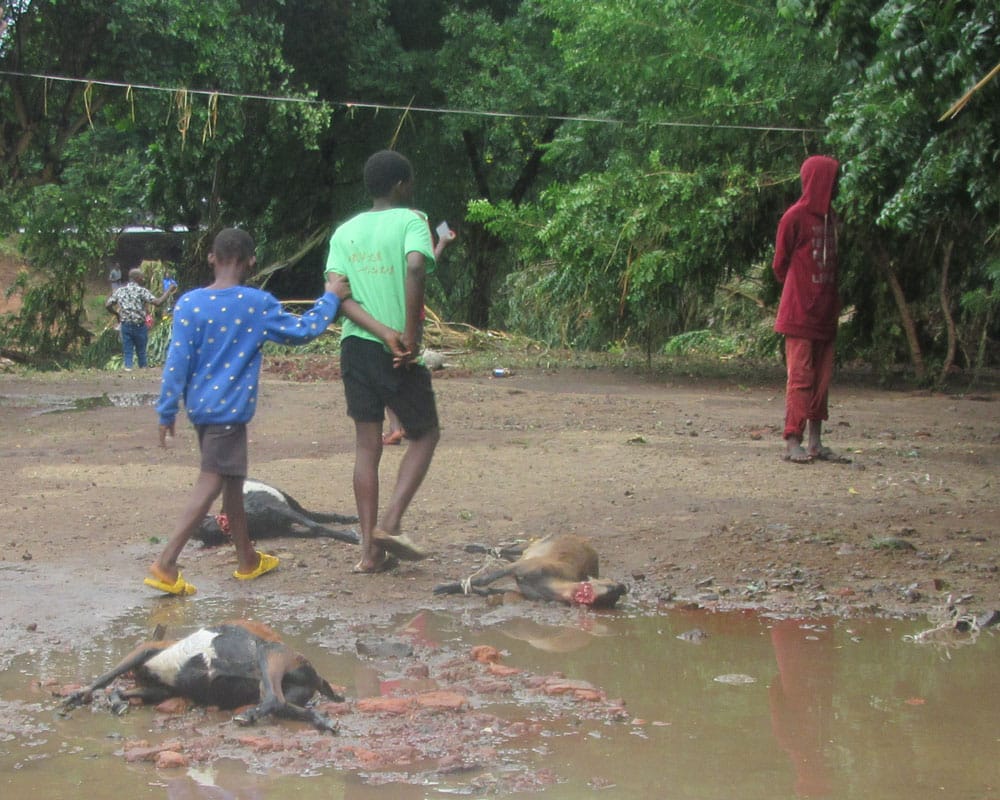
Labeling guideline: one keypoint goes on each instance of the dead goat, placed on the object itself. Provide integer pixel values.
(229, 666)
(272, 513)
(561, 567)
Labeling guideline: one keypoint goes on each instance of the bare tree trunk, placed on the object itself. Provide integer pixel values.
(905, 317)
(487, 247)
(983, 341)
(949, 318)
(486, 250)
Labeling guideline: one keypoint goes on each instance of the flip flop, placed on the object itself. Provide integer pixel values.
(264, 565)
(179, 587)
(400, 546)
(826, 454)
(386, 563)
(393, 437)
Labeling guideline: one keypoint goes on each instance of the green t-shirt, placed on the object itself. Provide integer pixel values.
(370, 249)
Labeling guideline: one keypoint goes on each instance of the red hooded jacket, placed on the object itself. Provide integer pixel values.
(805, 257)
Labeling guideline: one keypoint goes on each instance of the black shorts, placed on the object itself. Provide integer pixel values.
(223, 449)
(371, 383)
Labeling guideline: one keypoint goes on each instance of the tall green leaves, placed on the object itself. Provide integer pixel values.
(922, 195)
(656, 209)
(67, 229)
(81, 160)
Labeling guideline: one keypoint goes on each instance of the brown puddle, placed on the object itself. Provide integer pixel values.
(58, 404)
(681, 705)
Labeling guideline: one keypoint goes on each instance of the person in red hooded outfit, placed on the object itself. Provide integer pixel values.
(805, 263)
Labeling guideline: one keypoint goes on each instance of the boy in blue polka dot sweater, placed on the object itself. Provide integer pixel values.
(213, 363)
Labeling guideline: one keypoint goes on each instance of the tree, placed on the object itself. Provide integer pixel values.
(921, 191)
(71, 227)
(503, 53)
(683, 185)
(179, 157)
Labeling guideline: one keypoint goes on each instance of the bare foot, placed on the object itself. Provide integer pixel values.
(382, 563)
(797, 454)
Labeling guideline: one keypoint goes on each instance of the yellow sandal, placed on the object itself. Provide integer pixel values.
(179, 587)
(265, 564)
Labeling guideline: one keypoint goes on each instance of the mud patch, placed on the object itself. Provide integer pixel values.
(462, 719)
(507, 701)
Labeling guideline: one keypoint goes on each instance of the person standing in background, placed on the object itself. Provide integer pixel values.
(128, 303)
(805, 263)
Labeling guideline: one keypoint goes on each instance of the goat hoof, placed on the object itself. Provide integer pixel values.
(71, 702)
(328, 725)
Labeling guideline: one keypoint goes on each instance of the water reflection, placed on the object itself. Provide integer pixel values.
(214, 782)
(840, 709)
(801, 700)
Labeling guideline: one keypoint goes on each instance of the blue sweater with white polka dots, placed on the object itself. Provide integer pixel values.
(215, 350)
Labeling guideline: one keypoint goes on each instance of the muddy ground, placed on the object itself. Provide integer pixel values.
(679, 484)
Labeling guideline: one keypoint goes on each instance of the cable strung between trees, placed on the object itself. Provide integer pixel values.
(214, 94)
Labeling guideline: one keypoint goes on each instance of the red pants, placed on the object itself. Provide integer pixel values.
(810, 368)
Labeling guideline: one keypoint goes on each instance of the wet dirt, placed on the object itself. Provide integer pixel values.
(679, 484)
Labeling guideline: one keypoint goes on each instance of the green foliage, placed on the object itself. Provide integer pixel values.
(650, 217)
(634, 251)
(915, 187)
(81, 161)
(326, 345)
(703, 342)
(68, 229)
(981, 307)
(104, 351)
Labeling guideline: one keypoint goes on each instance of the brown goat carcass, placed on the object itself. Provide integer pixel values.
(562, 568)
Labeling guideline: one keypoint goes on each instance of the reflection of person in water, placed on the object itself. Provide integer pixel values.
(801, 697)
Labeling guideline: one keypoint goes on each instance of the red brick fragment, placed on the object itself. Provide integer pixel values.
(485, 654)
(174, 705)
(442, 700)
(385, 705)
(171, 759)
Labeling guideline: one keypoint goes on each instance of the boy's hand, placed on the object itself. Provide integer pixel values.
(400, 354)
(445, 238)
(409, 352)
(338, 284)
(166, 431)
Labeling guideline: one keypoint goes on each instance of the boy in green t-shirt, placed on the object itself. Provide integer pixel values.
(386, 253)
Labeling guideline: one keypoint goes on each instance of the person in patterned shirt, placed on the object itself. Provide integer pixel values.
(213, 365)
(128, 303)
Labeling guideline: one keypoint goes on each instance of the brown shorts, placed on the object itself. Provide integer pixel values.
(223, 449)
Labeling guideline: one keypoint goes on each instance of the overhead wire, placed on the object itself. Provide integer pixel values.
(356, 104)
